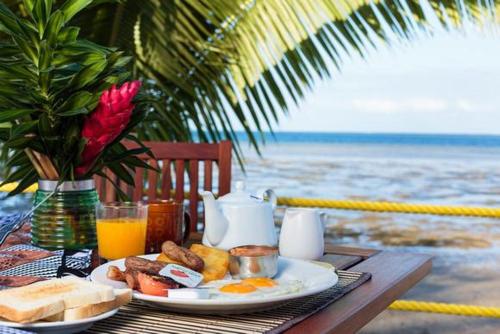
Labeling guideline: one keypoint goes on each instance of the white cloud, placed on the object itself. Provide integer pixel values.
(475, 106)
(420, 105)
(465, 105)
(388, 105)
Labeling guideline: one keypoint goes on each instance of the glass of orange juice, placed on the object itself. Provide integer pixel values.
(121, 229)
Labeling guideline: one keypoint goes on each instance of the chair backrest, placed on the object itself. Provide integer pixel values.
(174, 159)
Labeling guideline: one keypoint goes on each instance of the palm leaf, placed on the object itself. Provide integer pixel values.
(215, 65)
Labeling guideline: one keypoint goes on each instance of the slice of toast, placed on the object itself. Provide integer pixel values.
(122, 297)
(43, 299)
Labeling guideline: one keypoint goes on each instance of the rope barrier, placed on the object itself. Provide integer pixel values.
(11, 186)
(429, 209)
(391, 207)
(444, 308)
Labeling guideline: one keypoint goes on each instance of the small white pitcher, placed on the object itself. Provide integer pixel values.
(301, 235)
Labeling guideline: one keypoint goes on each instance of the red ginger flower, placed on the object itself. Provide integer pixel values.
(107, 122)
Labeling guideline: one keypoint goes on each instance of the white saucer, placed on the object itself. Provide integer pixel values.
(59, 327)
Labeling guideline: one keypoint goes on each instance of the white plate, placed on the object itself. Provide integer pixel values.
(60, 327)
(314, 278)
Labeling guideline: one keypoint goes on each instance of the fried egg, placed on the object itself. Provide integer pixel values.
(260, 282)
(252, 288)
(241, 288)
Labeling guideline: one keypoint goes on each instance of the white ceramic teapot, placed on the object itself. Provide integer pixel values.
(239, 218)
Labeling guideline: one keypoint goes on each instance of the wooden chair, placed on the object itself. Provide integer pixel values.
(174, 159)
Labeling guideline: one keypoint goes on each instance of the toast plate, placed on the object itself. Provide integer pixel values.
(314, 278)
(60, 327)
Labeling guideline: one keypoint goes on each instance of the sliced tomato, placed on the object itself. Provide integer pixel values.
(150, 286)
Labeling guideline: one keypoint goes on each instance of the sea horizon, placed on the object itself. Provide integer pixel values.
(336, 137)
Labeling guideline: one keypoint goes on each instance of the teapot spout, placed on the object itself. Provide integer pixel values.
(215, 222)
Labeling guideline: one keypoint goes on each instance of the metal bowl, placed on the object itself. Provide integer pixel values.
(246, 261)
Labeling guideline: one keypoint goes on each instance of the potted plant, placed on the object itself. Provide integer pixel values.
(65, 106)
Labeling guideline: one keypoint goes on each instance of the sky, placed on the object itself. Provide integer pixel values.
(447, 83)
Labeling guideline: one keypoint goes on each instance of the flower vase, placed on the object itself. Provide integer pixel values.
(67, 218)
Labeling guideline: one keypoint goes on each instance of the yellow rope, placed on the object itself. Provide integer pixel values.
(391, 207)
(454, 309)
(445, 210)
(11, 186)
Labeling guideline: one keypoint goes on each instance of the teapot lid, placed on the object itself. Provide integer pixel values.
(240, 196)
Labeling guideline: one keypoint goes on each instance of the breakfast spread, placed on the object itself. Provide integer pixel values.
(60, 299)
(201, 272)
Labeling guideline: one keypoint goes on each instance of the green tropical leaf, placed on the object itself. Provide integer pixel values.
(76, 103)
(74, 112)
(18, 143)
(8, 21)
(72, 7)
(121, 195)
(138, 142)
(29, 178)
(125, 153)
(13, 114)
(122, 173)
(28, 5)
(54, 26)
(18, 158)
(88, 74)
(132, 161)
(68, 35)
(23, 129)
(18, 174)
(41, 10)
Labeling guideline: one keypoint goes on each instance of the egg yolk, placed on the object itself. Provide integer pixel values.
(260, 282)
(237, 288)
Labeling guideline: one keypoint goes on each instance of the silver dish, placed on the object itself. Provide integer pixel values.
(253, 264)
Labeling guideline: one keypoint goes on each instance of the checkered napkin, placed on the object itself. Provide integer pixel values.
(8, 330)
(23, 263)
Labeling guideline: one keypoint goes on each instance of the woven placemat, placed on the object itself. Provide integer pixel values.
(140, 318)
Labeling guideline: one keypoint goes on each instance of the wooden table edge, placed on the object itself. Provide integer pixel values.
(365, 310)
(350, 251)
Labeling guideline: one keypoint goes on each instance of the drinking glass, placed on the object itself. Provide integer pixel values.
(121, 229)
(166, 221)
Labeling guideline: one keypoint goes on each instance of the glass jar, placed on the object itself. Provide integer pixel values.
(67, 219)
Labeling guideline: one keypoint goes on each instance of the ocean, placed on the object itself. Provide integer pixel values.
(416, 168)
(439, 169)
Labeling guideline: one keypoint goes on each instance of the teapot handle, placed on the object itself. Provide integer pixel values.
(268, 195)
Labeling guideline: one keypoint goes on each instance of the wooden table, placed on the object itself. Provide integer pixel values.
(393, 273)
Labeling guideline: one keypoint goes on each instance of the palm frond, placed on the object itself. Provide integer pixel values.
(216, 65)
